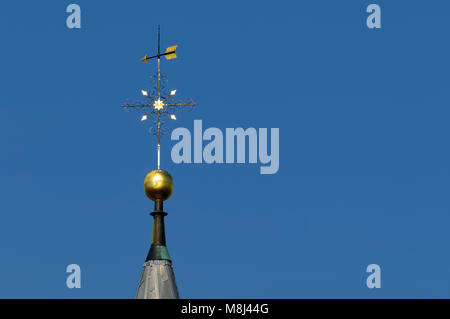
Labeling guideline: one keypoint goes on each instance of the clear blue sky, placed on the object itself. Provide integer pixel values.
(364, 157)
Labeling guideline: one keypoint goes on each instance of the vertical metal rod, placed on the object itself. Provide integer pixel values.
(159, 79)
(159, 156)
(159, 68)
(159, 113)
(158, 40)
(159, 146)
(159, 98)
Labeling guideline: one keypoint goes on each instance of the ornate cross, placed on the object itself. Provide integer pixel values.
(161, 102)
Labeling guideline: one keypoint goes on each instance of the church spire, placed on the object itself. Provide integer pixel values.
(158, 279)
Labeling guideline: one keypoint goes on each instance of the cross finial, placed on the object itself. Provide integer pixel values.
(161, 102)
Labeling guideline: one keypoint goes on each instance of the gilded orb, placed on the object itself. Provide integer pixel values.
(158, 185)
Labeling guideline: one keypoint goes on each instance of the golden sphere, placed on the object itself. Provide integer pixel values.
(158, 184)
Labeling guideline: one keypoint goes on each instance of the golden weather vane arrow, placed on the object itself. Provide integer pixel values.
(169, 54)
(160, 103)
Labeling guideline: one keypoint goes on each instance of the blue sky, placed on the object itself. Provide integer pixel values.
(364, 160)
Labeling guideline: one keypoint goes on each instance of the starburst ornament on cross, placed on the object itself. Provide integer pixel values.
(161, 103)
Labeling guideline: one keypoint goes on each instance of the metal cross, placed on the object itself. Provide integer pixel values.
(162, 103)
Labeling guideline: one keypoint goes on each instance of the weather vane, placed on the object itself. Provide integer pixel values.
(161, 102)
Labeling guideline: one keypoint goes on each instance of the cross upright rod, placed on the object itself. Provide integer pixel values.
(159, 52)
(161, 103)
(159, 97)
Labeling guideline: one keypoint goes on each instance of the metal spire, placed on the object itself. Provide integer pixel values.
(162, 103)
(158, 279)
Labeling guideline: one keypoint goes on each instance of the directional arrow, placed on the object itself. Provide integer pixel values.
(169, 54)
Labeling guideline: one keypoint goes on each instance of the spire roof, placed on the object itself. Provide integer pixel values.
(157, 281)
